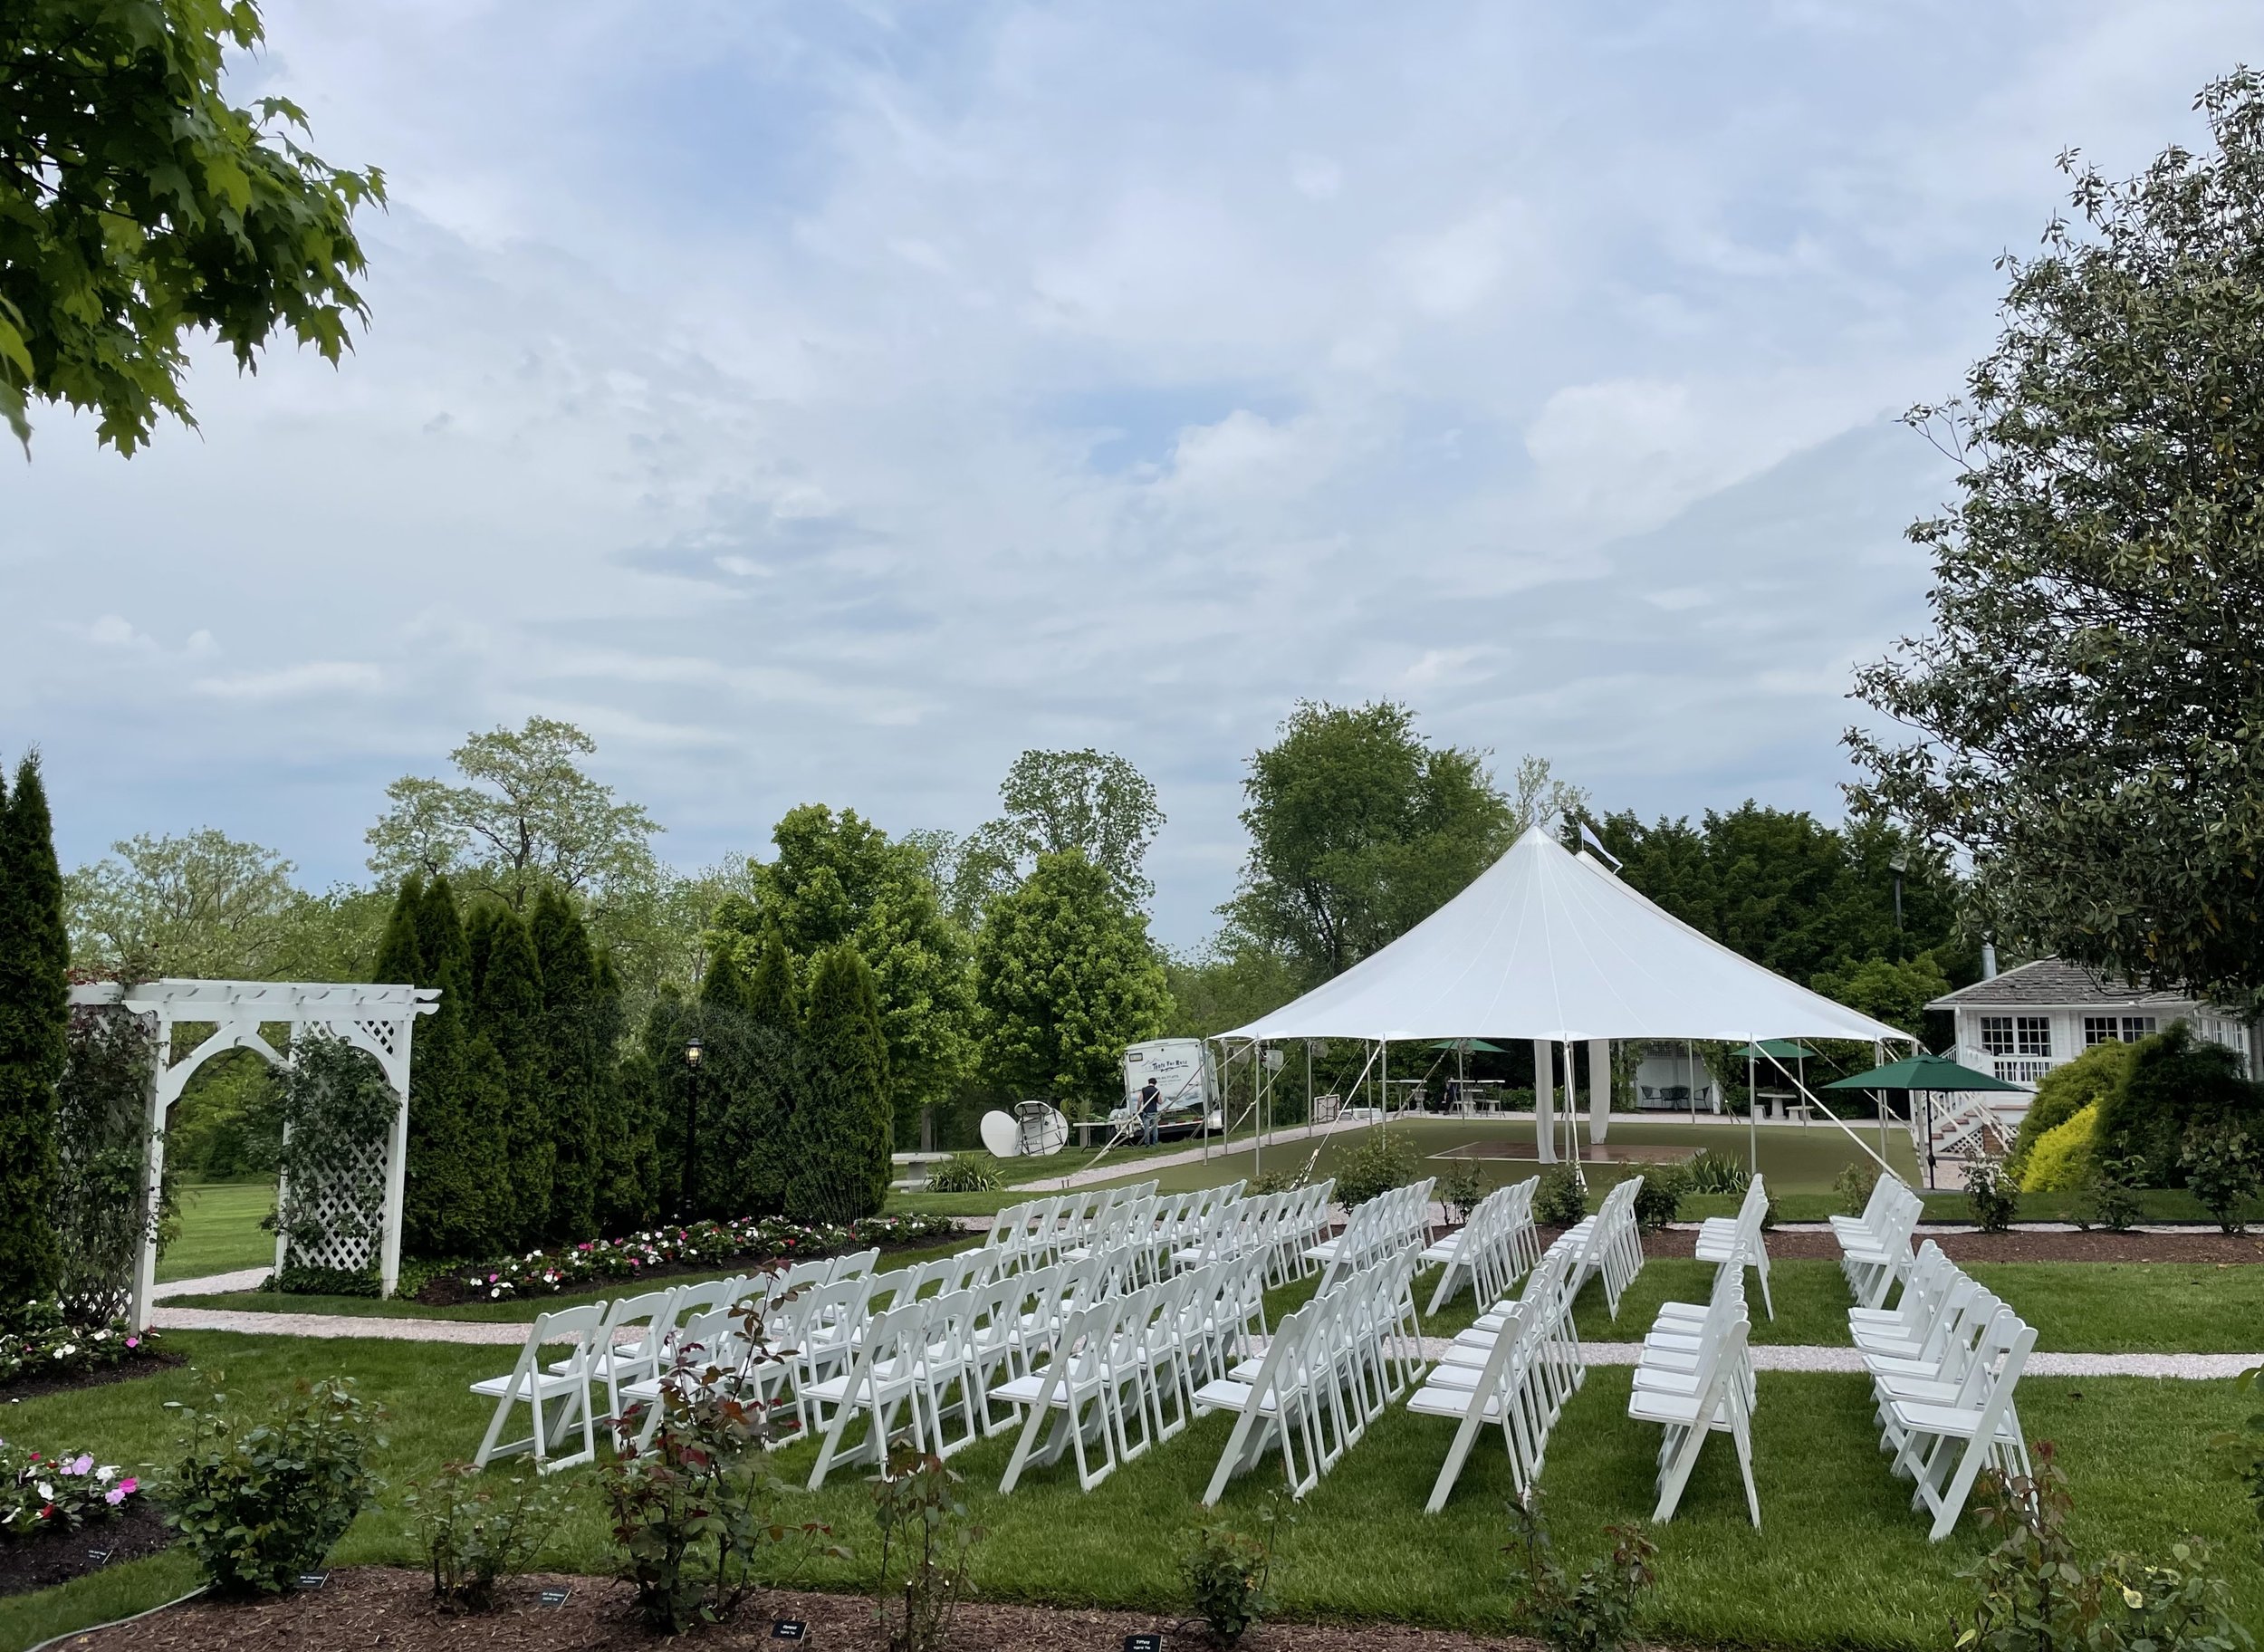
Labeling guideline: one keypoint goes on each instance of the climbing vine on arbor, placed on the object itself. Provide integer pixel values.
(337, 1108)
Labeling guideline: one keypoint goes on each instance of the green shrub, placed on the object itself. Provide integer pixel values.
(2061, 1159)
(1597, 1611)
(1226, 1574)
(298, 1281)
(1989, 1193)
(1384, 1161)
(1659, 1197)
(1854, 1183)
(695, 1513)
(927, 1542)
(1708, 1171)
(2224, 1166)
(2065, 1091)
(1560, 1201)
(258, 1506)
(964, 1173)
(2111, 1196)
(2247, 1444)
(1461, 1188)
(473, 1537)
(2037, 1595)
(2176, 1083)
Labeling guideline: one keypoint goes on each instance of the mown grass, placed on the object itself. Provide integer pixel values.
(1842, 1560)
(220, 1231)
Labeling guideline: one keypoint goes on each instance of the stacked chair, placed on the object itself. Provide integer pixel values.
(1874, 1247)
(1607, 1245)
(1740, 1240)
(1944, 1363)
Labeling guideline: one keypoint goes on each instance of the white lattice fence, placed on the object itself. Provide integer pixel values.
(349, 1208)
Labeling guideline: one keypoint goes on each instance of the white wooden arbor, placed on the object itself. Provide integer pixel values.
(377, 1019)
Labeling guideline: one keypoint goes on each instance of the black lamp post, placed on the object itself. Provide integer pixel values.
(1898, 863)
(691, 1126)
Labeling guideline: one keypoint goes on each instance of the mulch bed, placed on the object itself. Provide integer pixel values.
(136, 1364)
(2021, 1244)
(27, 1563)
(373, 1607)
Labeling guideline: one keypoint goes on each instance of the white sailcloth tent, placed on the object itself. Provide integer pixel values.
(1544, 943)
(1548, 946)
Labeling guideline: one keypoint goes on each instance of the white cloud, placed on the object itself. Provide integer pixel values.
(829, 402)
(317, 677)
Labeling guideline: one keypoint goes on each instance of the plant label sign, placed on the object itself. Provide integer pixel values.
(556, 1597)
(1143, 1643)
(314, 1579)
(789, 1628)
(98, 1555)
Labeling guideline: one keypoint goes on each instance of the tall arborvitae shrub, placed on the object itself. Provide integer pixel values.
(454, 1188)
(579, 1066)
(629, 1148)
(774, 1007)
(34, 1033)
(509, 1012)
(398, 962)
(772, 999)
(842, 1127)
(672, 1092)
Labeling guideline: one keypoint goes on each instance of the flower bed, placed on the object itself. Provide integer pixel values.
(671, 1249)
(37, 1342)
(39, 1493)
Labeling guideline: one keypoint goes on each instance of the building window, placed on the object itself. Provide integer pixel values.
(2032, 1034)
(1997, 1034)
(2114, 1029)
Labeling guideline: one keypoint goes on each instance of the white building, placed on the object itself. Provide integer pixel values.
(2022, 1024)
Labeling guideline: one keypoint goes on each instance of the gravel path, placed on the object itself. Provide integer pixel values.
(2199, 1367)
(213, 1284)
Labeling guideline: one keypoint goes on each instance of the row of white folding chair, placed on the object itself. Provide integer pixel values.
(1874, 1247)
(1329, 1369)
(1299, 1219)
(1607, 1244)
(1260, 1223)
(1515, 1368)
(1741, 1239)
(1694, 1379)
(1945, 1364)
(1497, 1243)
(1122, 1371)
(1377, 1229)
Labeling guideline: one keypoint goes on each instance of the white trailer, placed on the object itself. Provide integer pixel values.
(1184, 1072)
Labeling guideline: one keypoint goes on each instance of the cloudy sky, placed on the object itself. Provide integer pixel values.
(825, 402)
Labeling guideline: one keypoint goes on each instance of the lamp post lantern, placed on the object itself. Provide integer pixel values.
(691, 1127)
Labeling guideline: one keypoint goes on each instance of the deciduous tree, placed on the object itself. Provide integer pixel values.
(2089, 703)
(1095, 803)
(139, 207)
(1065, 978)
(1359, 829)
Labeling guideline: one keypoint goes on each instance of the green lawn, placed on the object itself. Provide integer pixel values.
(1841, 1562)
(220, 1231)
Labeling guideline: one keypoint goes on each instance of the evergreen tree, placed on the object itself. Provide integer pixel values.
(729, 1115)
(34, 1029)
(672, 1095)
(508, 1009)
(453, 1184)
(772, 998)
(628, 1170)
(398, 961)
(579, 1067)
(842, 1133)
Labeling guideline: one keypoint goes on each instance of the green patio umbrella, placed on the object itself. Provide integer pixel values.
(1927, 1073)
(1921, 1072)
(1468, 1045)
(1783, 1049)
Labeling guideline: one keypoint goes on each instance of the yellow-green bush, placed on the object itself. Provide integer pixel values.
(2061, 1161)
(2067, 1090)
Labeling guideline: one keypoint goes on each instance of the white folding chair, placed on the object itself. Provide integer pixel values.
(567, 1387)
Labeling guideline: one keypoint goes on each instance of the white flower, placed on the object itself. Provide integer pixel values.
(45, 1490)
(107, 1473)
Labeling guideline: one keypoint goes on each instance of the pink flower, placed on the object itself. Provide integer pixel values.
(82, 1464)
(116, 1494)
(133, 1341)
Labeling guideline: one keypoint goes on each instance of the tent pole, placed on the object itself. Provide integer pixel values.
(1308, 1090)
(1752, 1131)
(1544, 1102)
(1257, 1123)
